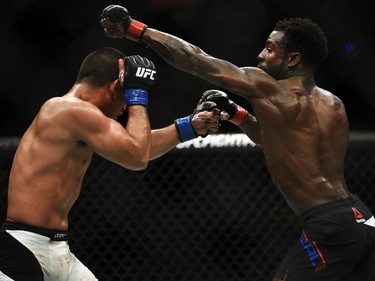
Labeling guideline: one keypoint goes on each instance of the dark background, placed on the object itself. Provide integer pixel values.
(44, 42)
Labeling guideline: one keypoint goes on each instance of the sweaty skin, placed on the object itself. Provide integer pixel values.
(56, 150)
(303, 129)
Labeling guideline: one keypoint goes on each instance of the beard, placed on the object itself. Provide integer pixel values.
(276, 71)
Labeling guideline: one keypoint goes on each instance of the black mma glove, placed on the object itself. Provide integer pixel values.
(117, 14)
(236, 113)
(139, 75)
(183, 125)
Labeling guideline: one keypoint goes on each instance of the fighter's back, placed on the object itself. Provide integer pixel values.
(48, 166)
(305, 155)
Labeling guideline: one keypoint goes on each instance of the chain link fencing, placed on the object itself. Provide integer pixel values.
(206, 213)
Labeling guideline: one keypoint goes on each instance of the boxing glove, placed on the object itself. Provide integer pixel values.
(138, 77)
(117, 14)
(236, 113)
(184, 125)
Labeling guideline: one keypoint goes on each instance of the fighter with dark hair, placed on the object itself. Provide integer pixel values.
(303, 131)
(56, 150)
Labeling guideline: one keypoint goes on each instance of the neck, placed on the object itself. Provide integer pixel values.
(305, 75)
(82, 91)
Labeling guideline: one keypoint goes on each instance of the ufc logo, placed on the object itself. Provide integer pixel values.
(144, 72)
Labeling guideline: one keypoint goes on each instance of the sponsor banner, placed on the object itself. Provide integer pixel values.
(218, 141)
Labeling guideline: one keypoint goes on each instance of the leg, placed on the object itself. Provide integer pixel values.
(81, 272)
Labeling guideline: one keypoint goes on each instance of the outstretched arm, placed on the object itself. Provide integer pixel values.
(202, 121)
(249, 82)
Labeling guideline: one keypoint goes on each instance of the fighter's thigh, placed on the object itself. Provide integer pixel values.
(80, 271)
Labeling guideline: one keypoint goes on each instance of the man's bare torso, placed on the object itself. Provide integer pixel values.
(305, 151)
(47, 170)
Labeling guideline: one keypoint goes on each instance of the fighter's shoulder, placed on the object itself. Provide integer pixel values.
(69, 113)
(65, 106)
(329, 97)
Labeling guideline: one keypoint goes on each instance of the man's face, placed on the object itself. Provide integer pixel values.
(273, 59)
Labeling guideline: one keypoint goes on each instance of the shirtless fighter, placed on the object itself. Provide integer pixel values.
(56, 150)
(302, 129)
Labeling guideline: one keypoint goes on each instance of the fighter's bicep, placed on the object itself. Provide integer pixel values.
(248, 82)
(95, 129)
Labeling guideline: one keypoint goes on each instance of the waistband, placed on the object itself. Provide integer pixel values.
(52, 234)
(349, 201)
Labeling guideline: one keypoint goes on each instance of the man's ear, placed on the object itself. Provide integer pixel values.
(114, 87)
(118, 85)
(294, 59)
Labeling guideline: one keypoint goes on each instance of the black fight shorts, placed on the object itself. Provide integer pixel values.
(12, 255)
(337, 243)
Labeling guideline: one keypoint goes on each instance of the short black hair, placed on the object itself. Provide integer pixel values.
(306, 37)
(100, 67)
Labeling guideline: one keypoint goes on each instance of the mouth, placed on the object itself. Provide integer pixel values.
(261, 65)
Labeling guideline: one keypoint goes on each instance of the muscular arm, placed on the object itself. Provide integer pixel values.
(128, 147)
(139, 129)
(249, 82)
(165, 139)
(252, 83)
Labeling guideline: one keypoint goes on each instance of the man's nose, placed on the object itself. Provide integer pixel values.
(260, 56)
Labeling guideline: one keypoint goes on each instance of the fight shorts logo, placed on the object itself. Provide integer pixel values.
(358, 215)
(314, 254)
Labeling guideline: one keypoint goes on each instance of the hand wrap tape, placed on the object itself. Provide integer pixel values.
(185, 129)
(136, 97)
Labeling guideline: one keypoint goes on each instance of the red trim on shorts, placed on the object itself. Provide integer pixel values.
(316, 248)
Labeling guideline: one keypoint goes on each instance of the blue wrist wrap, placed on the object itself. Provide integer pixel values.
(185, 129)
(136, 97)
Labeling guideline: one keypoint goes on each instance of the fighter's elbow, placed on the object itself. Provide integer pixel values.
(137, 160)
(141, 161)
(140, 166)
(137, 165)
